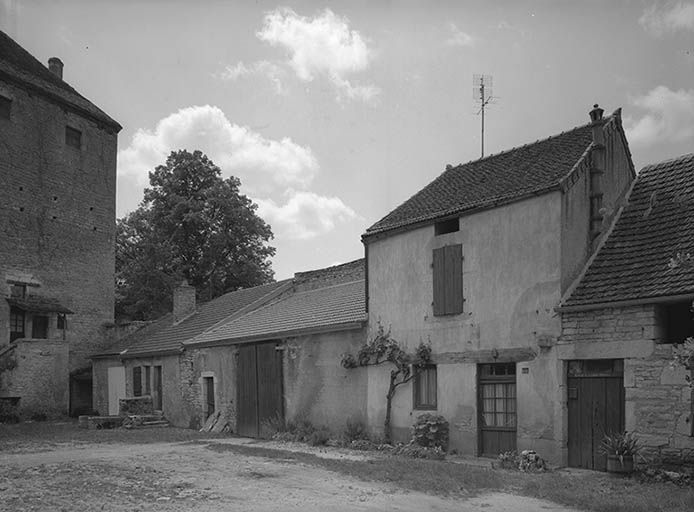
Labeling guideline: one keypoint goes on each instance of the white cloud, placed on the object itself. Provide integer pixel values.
(669, 116)
(321, 46)
(458, 37)
(305, 215)
(671, 17)
(265, 68)
(262, 164)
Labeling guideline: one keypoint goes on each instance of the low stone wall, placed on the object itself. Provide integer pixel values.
(139, 405)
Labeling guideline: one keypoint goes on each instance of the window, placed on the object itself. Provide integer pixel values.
(39, 327)
(73, 137)
(424, 387)
(448, 280)
(679, 321)
(137, 381)
(148, 380)
(498, 395)
(209, 396)
(447, 226)
(62, 322)
(16, 324)
(18, 291)
(5, 107)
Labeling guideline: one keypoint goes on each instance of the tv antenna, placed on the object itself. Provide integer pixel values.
(482, 94)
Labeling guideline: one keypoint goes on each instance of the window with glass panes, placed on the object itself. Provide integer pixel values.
(498, 395)
(16, 324)
(424, 386)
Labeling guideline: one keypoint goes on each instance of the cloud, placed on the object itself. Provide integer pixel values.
(671, 17)
(260, 163)
(323, 46)
(265, 68)
(305, 215)
(458, 37)
(669, 117)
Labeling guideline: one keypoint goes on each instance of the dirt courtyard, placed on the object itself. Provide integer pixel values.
(78, 472)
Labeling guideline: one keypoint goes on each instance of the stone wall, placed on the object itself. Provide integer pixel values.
(658, 404)
(57, 215)
(39, 376)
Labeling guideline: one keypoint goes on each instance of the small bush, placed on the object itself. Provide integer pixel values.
(271, 427)
(528, 461)
(319, 437)
(355, 431)
(431, 431)
(417, 451)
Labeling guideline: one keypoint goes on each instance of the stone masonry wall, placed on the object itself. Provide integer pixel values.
(658, 406)
(57, 215)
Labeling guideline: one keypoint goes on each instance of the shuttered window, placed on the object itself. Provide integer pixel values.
(137, 381)
(448, 280)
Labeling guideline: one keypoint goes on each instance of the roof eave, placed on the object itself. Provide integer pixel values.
(377, 235)
(345, 326)
(639, 301)
(151, 353)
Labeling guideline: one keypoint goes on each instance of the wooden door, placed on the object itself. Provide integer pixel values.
(259, 387)
(496, 391)
(157, 389)
(595, 390)
(116, 388)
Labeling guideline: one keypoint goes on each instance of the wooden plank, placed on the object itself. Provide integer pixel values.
(247, 407)
(599, 408)
(270, 399)
(453, 264)
(439, 278)
(502, 355)
(585, 418)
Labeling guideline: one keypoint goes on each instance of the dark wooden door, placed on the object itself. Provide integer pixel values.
(260, 395)
(496, 391)
(595, 390)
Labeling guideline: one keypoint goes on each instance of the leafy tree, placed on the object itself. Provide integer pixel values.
(192, 224)
(383, 349)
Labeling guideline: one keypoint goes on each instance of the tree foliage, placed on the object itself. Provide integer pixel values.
(192, 224)
(382, 349)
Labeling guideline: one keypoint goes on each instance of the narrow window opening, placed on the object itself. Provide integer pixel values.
(447, 226)
(62, 322)
(73, 137)
(16, 324)
(5, 107)
(18, 291)
(209, 396)
(137, 381)
(424, 386)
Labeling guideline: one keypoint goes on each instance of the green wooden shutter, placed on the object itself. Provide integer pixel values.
(439, 282)
(453, 262)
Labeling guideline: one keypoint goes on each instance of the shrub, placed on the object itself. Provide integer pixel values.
(355, 431)
(271, 427)
(528, 461)
(431, 431)
(319, 437)
(416, 451)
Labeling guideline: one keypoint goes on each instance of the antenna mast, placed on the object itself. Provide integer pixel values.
(482, 93)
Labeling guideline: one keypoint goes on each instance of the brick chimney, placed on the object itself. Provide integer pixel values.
(55, 66)
(183, 302)
(597, 169)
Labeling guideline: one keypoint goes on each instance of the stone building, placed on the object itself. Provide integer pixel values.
(475, 264)
(622, 319)
(57, 225)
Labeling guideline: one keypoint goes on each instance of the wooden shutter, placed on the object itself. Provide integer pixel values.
(439, 282)
(448, 280)
(137, 381)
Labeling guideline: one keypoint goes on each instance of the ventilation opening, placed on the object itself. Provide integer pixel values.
(447, 226)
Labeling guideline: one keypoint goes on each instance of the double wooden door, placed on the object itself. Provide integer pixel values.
(259, 387)
(595, 391)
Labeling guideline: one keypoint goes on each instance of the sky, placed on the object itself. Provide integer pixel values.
(333, 113)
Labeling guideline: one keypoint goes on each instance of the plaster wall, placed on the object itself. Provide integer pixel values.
(316, 386)
(511, 284)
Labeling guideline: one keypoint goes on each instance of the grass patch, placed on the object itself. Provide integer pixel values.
(594, 491)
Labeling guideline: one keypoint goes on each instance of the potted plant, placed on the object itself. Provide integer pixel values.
(620, 449)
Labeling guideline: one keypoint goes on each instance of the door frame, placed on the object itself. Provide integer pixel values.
(495, 379)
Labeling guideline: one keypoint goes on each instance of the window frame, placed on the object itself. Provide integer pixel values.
(73, 137)
(491, 376)
(5, 108)
(420, 403)
(16, 313)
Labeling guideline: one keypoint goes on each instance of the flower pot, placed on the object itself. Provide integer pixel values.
(620, 463)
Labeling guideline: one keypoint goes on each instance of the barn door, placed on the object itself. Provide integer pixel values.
(596, 407)
(496, 392)
(259, 387)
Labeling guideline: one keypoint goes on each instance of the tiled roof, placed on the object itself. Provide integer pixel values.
(147, 329)
(344, 273)
(494, 180)
(656, 225)
(19, 64)
(38, 304)
(316, 309)
(170, 339)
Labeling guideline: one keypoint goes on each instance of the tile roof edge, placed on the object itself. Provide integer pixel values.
(249, 308)
(649, 167)
(290, 333)
(606, 236)
(126, 354)
(424, 221)
(622, 303)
